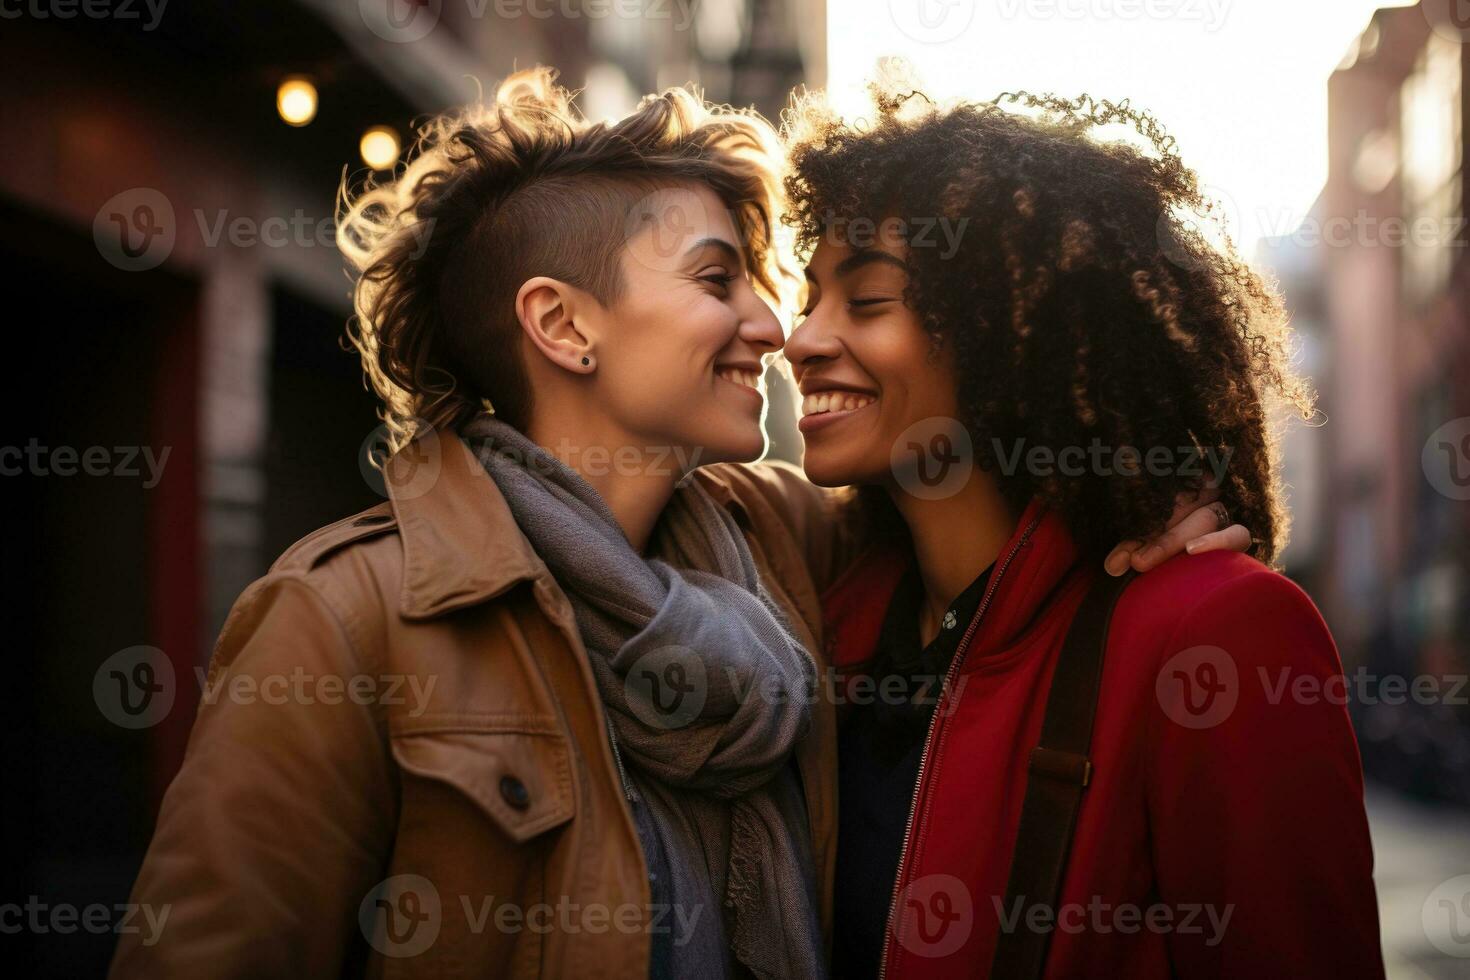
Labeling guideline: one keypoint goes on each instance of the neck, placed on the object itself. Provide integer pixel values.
(634, 480)
(955, 539)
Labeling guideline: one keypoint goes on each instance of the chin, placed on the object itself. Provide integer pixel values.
(831, 469)
(741, 444)
(826, 471)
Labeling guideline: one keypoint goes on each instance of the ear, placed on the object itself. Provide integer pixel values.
(554, 317)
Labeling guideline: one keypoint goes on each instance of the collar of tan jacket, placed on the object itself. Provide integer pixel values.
(461, 545)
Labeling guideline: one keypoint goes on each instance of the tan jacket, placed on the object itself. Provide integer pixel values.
(400, 767)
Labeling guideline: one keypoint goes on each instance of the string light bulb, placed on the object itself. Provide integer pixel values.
(296, 101)
(379, 147)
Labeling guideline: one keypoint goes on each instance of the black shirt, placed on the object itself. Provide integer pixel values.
(879, 748)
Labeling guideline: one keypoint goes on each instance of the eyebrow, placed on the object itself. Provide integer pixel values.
(719, 244)
(860, 259)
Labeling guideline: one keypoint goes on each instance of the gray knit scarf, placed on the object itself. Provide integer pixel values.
(706, 694)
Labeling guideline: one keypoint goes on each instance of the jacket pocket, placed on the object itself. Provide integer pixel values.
(521, 780)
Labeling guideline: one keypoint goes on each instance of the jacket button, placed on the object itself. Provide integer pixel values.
(515, 793)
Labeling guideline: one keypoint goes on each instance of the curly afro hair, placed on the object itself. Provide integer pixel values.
(1083, 306)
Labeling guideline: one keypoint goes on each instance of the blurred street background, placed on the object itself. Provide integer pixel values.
(178, 304)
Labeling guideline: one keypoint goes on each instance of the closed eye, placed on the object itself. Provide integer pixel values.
(717, 276)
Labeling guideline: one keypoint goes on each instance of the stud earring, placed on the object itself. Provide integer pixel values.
(586, 361)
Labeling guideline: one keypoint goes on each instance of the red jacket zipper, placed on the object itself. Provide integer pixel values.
(934, 723)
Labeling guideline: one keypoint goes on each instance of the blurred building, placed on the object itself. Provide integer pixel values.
(174, 237)
(1379, 285)
(1297, 266)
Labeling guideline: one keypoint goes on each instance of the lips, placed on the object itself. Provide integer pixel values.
(827, 404)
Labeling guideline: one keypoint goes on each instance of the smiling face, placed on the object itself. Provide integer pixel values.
(679, 355)
(866, 367)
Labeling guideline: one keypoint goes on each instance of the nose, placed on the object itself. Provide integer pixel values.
(760, 328)
(811, 343)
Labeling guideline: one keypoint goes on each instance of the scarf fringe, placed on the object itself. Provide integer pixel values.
(743, 892)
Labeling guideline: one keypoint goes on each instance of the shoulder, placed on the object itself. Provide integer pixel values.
(320, 545)
(1224, 624)
(339, 580)
(1222, 614)
(353, 557)
(1193, 594)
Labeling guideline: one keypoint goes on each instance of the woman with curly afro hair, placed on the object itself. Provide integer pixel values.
(1019, 346)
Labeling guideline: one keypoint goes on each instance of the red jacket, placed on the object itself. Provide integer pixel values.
(1223, 831)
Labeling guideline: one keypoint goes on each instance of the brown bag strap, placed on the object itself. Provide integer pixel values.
(1059, 772)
